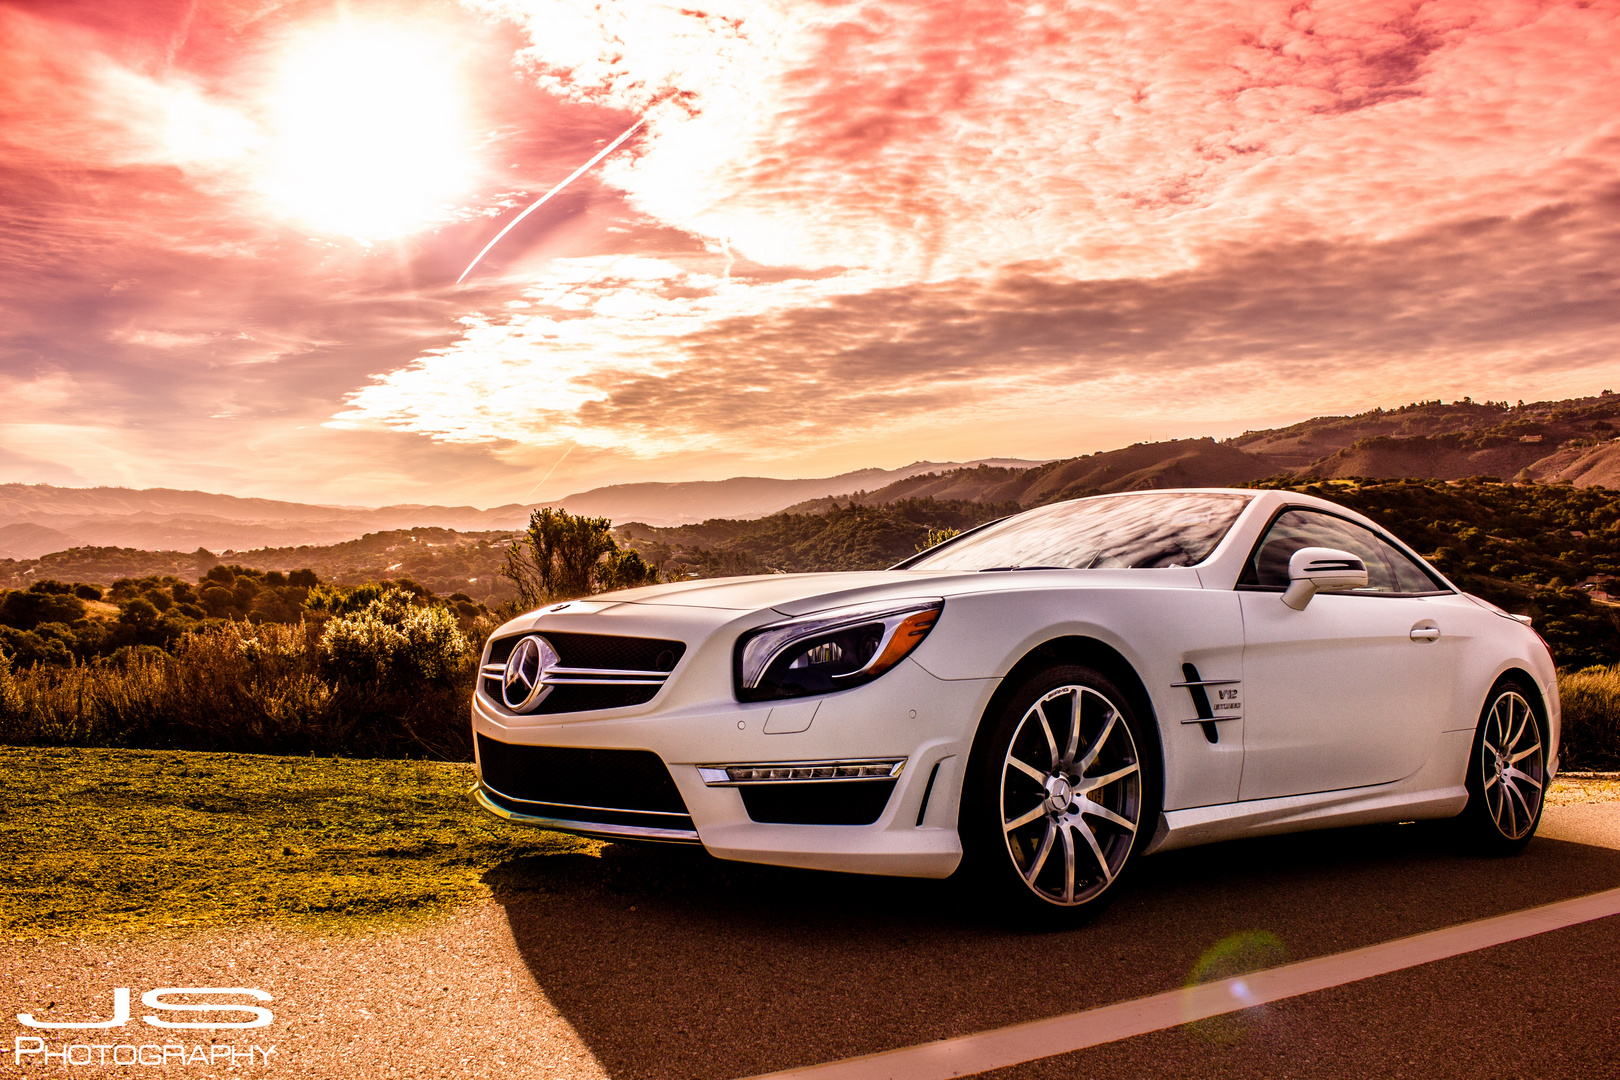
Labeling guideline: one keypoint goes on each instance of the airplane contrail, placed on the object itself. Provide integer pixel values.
(575, 175)
(551, 470)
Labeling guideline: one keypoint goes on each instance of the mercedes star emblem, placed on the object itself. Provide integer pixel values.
(524, 683)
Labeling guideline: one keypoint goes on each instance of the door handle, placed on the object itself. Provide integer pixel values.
(1425, 633)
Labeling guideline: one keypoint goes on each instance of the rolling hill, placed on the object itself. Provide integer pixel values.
(1573, 440)
(1547, 442)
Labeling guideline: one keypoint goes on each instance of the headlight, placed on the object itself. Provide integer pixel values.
(830, 650)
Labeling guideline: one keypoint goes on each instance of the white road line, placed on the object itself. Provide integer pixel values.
(1006, 1046)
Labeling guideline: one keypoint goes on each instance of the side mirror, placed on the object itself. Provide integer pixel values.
(1318, 569)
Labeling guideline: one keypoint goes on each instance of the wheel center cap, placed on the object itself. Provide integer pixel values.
(1059, 793)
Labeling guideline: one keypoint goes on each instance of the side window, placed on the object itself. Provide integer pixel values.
(1389, 570)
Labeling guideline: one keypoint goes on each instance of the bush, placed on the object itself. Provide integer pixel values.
(562, 556)
(1591, 705)
(393, 638)
(243, 688)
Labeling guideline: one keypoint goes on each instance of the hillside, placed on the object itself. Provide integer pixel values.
(1181, 463)
(745, 497)
(36, 519)
(1548, 442)
(442, 560)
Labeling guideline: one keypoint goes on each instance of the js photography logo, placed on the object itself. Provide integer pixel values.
(78, 1050)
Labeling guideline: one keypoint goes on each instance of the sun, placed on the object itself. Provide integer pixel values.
(368, 131)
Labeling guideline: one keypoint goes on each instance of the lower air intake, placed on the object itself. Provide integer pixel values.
(576, 788)
(817, 802)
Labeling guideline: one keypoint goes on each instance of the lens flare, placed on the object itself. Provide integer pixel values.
(1234, 955)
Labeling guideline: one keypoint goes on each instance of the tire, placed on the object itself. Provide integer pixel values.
(1507, 771)
(1056, 812)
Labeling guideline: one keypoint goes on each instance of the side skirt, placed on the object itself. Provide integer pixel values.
(1296, 813)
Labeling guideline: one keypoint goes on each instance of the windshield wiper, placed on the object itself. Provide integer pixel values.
(988, 569)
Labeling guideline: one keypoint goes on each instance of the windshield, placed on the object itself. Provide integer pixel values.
(1146, 529)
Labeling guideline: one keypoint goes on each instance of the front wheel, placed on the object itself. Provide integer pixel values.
(1507, 771)
(1062, 790)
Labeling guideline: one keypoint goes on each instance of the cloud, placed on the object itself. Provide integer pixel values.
(23, 469)
(852, 228)
(688, 361)
(926, 141)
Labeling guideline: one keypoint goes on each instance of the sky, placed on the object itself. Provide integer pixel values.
(846, 233)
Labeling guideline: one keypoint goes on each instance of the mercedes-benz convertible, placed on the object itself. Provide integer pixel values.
(1033, 704)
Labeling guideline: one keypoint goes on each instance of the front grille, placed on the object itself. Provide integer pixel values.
(578, 784)
(600, 651)
(597, 671)
(817, 802)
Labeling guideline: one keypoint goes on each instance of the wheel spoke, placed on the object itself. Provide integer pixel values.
(1522, 801)
(1516, 775)
(1040, 855)
(1099, 810)
(1073, 742)
(1097, 743)
(1068, 864)
(1508, 814)
(1096, 849)
(1092, 783)
(1025, 819)
(1513, 739)
(1514, 759)
(1027, 769)
(1046, 728)
(1490, 781)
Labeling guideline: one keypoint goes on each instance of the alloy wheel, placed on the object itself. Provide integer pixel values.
(1071, 795)
(1512, 765)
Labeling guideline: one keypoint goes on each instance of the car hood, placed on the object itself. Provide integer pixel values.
(799, 594)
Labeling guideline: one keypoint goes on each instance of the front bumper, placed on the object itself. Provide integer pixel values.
(502, 808)
(908, 714)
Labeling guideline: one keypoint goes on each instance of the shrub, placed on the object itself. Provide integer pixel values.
(1591, 728)
(564, 555)
(391, 637)
(26, 610)
(237, 687)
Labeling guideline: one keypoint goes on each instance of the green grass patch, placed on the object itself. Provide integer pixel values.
(96, 840)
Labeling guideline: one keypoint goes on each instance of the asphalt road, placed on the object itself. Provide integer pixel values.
(663, 963)
(724, 971)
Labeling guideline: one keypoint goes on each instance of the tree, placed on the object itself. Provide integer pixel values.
(564, 555)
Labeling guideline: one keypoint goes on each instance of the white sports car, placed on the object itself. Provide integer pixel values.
(1038, 701)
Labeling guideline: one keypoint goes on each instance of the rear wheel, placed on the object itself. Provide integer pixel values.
(1507, 771)
(1061, 794)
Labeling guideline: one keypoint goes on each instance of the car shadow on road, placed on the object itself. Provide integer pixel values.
(670, 963)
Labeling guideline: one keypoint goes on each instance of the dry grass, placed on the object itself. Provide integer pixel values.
(1591, 726)
(1578, 788)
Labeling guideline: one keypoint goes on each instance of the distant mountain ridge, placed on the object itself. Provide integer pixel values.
(743, 497)
(1573, 440)
(37, 519)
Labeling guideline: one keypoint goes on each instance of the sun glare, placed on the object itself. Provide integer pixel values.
(369, 133)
